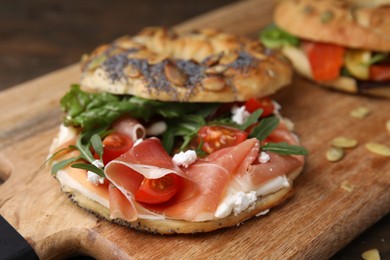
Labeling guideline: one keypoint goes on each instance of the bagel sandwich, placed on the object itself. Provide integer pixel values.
(176, 133)
(340, 44)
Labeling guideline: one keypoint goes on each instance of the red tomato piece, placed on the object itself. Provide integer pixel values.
(264, 103)
(380, 72)
(325, 59)
(114, 145)
(155, 191)
(218, 137)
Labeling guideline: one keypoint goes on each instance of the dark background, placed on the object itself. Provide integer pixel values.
(40, 36)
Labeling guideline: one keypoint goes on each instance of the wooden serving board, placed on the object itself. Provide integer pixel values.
(321, 218)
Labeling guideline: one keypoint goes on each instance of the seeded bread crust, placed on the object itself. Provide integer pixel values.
(201, 66)
(172, 226)
(342, 22)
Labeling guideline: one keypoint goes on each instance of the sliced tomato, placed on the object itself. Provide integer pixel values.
(114, 145)
(155, 191)
(264, 103)
(214, 138)
(380, 72)
(325, 59)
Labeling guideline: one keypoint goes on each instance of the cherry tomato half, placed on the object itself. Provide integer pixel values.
(380, 72)
(114, 145)
(155, 191)
(325, 59)
(264, 103)
(218, 137)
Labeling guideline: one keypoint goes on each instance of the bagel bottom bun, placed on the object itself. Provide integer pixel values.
(172, 226)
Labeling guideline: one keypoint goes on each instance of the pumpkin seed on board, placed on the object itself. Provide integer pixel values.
(372, 254)
(344, 142)
(334, 154)
(360, 112)
(379, 149)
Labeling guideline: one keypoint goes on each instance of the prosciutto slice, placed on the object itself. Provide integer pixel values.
(145, 160)
(278, 165)
(204, 182)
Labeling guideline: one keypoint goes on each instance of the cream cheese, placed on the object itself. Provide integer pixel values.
(65, 134)
(238, 201)
(273, 185)
(68, 181)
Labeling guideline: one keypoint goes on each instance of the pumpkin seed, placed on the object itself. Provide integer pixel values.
(379, 149)
(175, 75)
(347, 186)
(344, 142)
(132, 71)
(218, 69)
(360, 112)
(334, 154)
(372, 254)
(213, 83)
(388, 125)
(228, 58)
(326, 16)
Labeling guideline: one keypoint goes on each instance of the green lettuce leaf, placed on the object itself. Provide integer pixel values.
(274, 37)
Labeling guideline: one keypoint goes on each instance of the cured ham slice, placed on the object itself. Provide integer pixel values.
(204, 182)
(145, 160)
(130, 127)
(278, 165)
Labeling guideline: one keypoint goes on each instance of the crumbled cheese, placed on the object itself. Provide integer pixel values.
(262, 213)
(236, 203)
(289, 124)
(156, 128)
(185, 158)
(277, 107)
(264, 157)
(93, 177)
(239, 114)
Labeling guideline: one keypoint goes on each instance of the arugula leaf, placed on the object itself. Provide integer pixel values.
(89, 167)
(97, 145)
(184, 127)
(199, 151)
(253, 118)
(84, 150)
(285, 149)
(265, 128)
(168, 138)
(274, 37)
(62, 164)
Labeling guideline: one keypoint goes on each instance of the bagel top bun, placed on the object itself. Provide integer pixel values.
(350, 23)
(199, 66)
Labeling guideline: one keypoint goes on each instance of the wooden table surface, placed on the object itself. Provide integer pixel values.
(41, 36)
